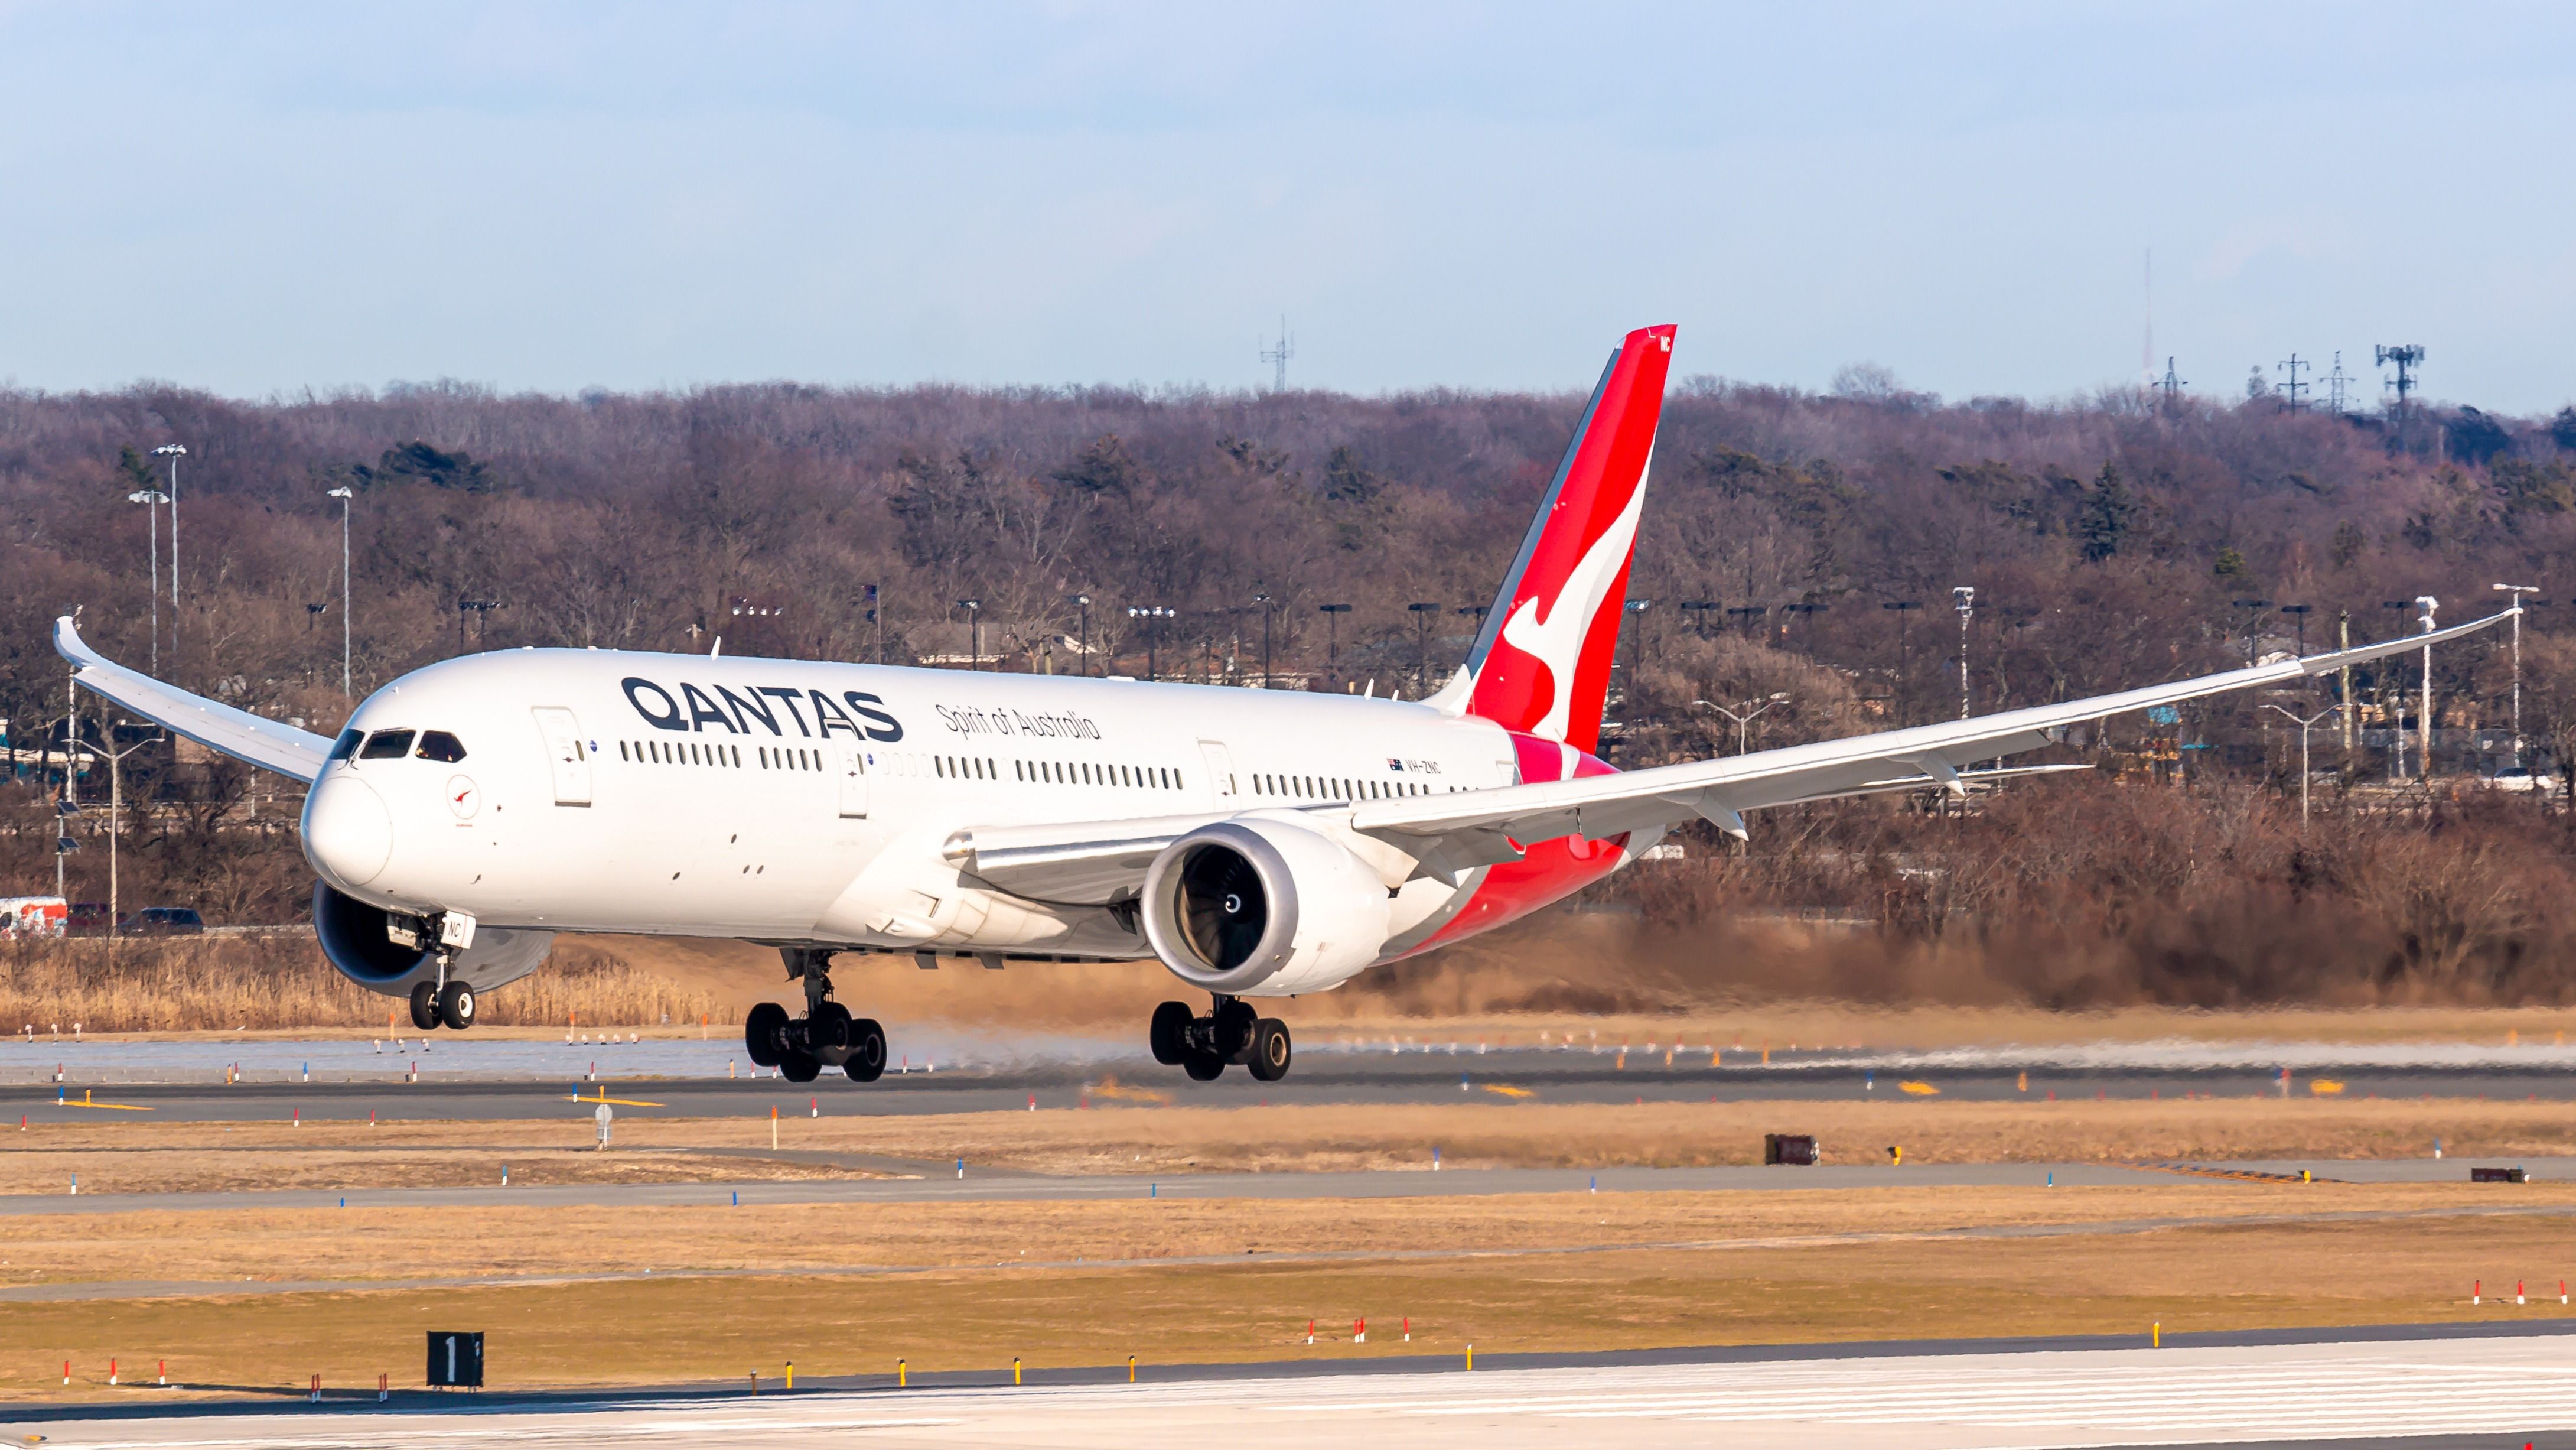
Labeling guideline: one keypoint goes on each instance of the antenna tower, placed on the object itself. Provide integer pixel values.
(2407, 357)
(2294, 387)
(1278, 357)
(2338, 385)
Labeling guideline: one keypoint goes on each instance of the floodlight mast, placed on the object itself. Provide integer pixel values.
(2517, 592)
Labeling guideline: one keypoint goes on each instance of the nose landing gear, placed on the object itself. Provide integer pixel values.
(1231, 1032)
(826, 1036)
(442, 1004)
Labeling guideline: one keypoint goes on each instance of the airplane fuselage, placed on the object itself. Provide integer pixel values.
(804, 802)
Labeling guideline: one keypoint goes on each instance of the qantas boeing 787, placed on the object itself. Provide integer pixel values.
(1260, 844)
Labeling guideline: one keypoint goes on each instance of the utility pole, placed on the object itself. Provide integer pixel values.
(875, 618)
(2391, 696)
(1904, 655)
(2294, 387)
(2425, 604)
(2516, 592)
(2343, 625)
(1963, 598)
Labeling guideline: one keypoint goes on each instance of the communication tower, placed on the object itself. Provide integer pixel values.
(2338, 385)
(1278, 357)
(2406, 357)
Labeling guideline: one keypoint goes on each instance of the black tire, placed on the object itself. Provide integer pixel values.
(1203, 1066)
(1231, 1030)
(1271, 1050)
(424, 1006)
(764, 1032)
(798, 1067)
(456, 1006)
(1170, 1033)
(867, 1058)
(827, 1027)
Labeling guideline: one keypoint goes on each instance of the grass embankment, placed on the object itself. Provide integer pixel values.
(840, 1291)
(190, 984)
(130, 1153)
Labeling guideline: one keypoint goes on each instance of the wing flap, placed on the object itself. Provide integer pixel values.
(268, 744)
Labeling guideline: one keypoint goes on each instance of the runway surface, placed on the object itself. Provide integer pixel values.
(2442, 1387)
(463, 1077)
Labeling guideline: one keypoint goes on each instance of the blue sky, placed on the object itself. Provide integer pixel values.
(263, 199)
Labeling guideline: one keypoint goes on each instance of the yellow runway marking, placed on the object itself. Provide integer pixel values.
(86, 1102)
(1919, 1089)
(613, 1102)
(2322, 1086)
(1509, 1091)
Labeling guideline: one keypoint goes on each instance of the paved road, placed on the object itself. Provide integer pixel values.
(2438, 1383)
(533, 1079)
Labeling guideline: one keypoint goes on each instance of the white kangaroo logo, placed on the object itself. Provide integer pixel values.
(1554, 636)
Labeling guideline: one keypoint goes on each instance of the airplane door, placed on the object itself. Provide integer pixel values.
(565, 753)
(1220, 763)
(854, 781)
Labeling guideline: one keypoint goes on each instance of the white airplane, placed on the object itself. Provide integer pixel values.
(1260, 844)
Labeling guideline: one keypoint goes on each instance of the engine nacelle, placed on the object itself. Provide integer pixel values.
(1263, 908)
(354, 936)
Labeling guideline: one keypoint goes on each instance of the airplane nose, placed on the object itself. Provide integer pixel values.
(348, 832)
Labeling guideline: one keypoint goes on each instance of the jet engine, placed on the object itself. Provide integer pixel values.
(368, 945)
(1263, 908)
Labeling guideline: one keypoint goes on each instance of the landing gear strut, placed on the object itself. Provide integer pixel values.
(442, 1003)
(826, 1036)
(1231, 1032)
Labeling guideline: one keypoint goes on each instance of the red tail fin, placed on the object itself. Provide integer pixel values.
(1542, 663)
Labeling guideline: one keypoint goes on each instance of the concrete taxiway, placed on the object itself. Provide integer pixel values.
(2440, 1385)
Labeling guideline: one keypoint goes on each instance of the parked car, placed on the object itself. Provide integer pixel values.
(24, 916)
(89, 918)
(2517, 778)
(162, 921)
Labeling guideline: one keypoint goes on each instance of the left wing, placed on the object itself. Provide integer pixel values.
(269, 744)
(1452, 832)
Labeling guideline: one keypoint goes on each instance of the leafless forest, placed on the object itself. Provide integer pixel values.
(2111, 540)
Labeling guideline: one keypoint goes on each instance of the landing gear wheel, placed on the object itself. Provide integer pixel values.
(866, 1062)
(456, 1005)
(1170, 1034)
(827, 1027)
(424, 1006)
(1230, 1029)
(798, 1067)
(764, 1034)
(1203, 1066)
(1270, 1052)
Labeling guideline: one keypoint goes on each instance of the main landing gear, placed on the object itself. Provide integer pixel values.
(1233, 1032)
(434, 1006)
(826, 1036)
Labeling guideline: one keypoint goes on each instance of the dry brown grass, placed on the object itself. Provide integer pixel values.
(271, 982)
(968, 1304)
(134, 1153)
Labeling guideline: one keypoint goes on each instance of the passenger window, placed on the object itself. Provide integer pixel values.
(386, 745)
(440, 746)
(347, 744)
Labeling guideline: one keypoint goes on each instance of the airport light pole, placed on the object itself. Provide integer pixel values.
(2424, 606)
(2515, 592)
(174, 452)
(1150, 613)
(1264, 601)
(1904, 656)
(2303, 725)
(347, 497)
(1083, 603)
(2255, 608)
(152, 499)
(1744, 721)
(974, 632)
(1749, 613)
(1333, 638)
(1422, 643)
(2388, 691)
(115, 806)
(2300, 612)
(1963, 598)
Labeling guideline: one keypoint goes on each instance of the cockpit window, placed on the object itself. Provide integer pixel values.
(387, 745)
(347, 744)
(441, 746)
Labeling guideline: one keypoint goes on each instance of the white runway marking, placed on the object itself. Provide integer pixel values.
(2498, 1386)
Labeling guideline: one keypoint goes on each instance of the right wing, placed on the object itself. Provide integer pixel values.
(268, 744)
(1449, 833)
